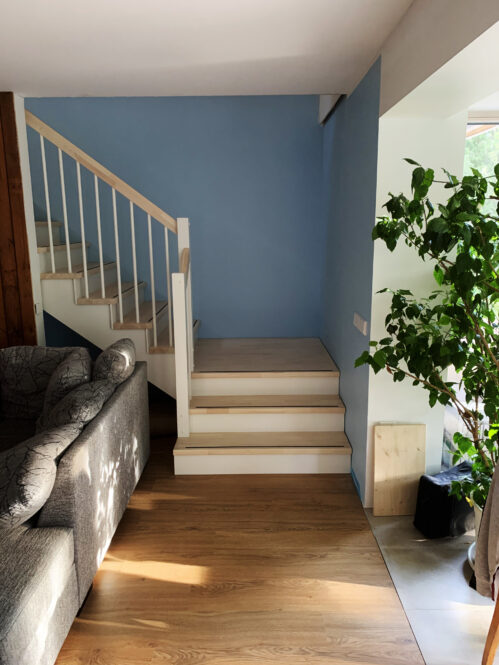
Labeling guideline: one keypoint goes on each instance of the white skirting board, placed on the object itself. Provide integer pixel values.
(261, 464)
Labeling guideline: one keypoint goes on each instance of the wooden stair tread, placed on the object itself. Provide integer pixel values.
(266, 403)
(60, 246)
(77, 271)
(245, 443)
(111, 294)
(262, 355)
(145, 316)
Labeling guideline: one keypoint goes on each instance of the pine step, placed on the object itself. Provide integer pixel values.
(145, 317)
(111, 294)
(43, 224)
(211, 404)
(163, 345)
(247, 443)
(59, 247)
(93, 267)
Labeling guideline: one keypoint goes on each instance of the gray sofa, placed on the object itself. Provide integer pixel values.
(98, 447)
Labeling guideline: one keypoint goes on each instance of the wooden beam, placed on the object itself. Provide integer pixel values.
(101, 172)
(185, 260)
(18, 322)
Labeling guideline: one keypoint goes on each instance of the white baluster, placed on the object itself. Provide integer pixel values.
(153, 287)
(99, 237)
(118, 264)
(65, 210)
(169, 289)
(134, 260)
(82, 227)
(47, 203)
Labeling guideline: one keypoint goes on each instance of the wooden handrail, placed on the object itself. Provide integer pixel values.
(185, 259)
(101, 171)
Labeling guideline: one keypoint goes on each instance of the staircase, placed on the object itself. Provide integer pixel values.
(243, 406)
(263, 406)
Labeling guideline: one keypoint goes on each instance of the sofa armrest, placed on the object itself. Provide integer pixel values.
(98, 473)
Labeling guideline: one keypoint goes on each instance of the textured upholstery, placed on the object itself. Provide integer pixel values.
(117, 362)
(72, 372)
(25, 372)
(98, 473)
(81, 404)
(27, 474)
(38, 594)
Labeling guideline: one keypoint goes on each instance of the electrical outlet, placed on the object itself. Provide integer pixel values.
(360, 323)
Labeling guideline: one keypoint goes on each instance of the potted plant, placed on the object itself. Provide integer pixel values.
(456, 325)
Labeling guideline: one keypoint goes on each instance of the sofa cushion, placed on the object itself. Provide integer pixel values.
(37, 585)
(73, 371)
(27, 474)
(81, 405)
(24, 375)
(15, 430)
(116, 363)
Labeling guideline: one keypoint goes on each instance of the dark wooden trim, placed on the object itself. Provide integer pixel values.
(17, 312)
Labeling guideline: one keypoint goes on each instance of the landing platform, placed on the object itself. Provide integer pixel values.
(306, 354)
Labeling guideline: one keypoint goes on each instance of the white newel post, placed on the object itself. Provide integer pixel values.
(184, 243)
(182, 371)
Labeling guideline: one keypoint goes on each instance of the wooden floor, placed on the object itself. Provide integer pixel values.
(262, 355)
(241, 570)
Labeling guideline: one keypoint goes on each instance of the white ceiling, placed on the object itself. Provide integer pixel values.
(190, 47)
(490, 103)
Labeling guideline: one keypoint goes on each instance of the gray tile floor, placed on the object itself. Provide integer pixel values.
(449, 619)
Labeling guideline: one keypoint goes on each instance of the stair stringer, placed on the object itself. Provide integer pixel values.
(94, 323)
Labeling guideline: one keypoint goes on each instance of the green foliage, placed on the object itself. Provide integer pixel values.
(457, 324)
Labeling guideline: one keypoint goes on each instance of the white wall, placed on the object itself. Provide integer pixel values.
(435, 142)
(22, 141)
(430, 33)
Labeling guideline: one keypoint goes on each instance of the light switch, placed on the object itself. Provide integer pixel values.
(360, 323)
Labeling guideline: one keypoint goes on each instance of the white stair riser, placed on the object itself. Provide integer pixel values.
(266, 386)
(60, 259)
(128, 300)
(42, 235)
(94, 281)
(267, 422)
(261, 464)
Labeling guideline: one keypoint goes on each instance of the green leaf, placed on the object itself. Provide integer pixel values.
(411, 161)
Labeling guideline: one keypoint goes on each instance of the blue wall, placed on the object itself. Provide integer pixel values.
(245, 170)
(349, 187)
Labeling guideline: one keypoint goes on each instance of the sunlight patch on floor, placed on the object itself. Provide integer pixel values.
(179, 573)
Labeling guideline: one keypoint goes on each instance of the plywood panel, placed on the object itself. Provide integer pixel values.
(399, 462)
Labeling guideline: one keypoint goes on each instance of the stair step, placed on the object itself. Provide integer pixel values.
(93, 267)
(246, 443)
(42, 224)
(111, 294)
(163, 345)
(145, 317)
(213, 404)
(59, 247)
(262, 355)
